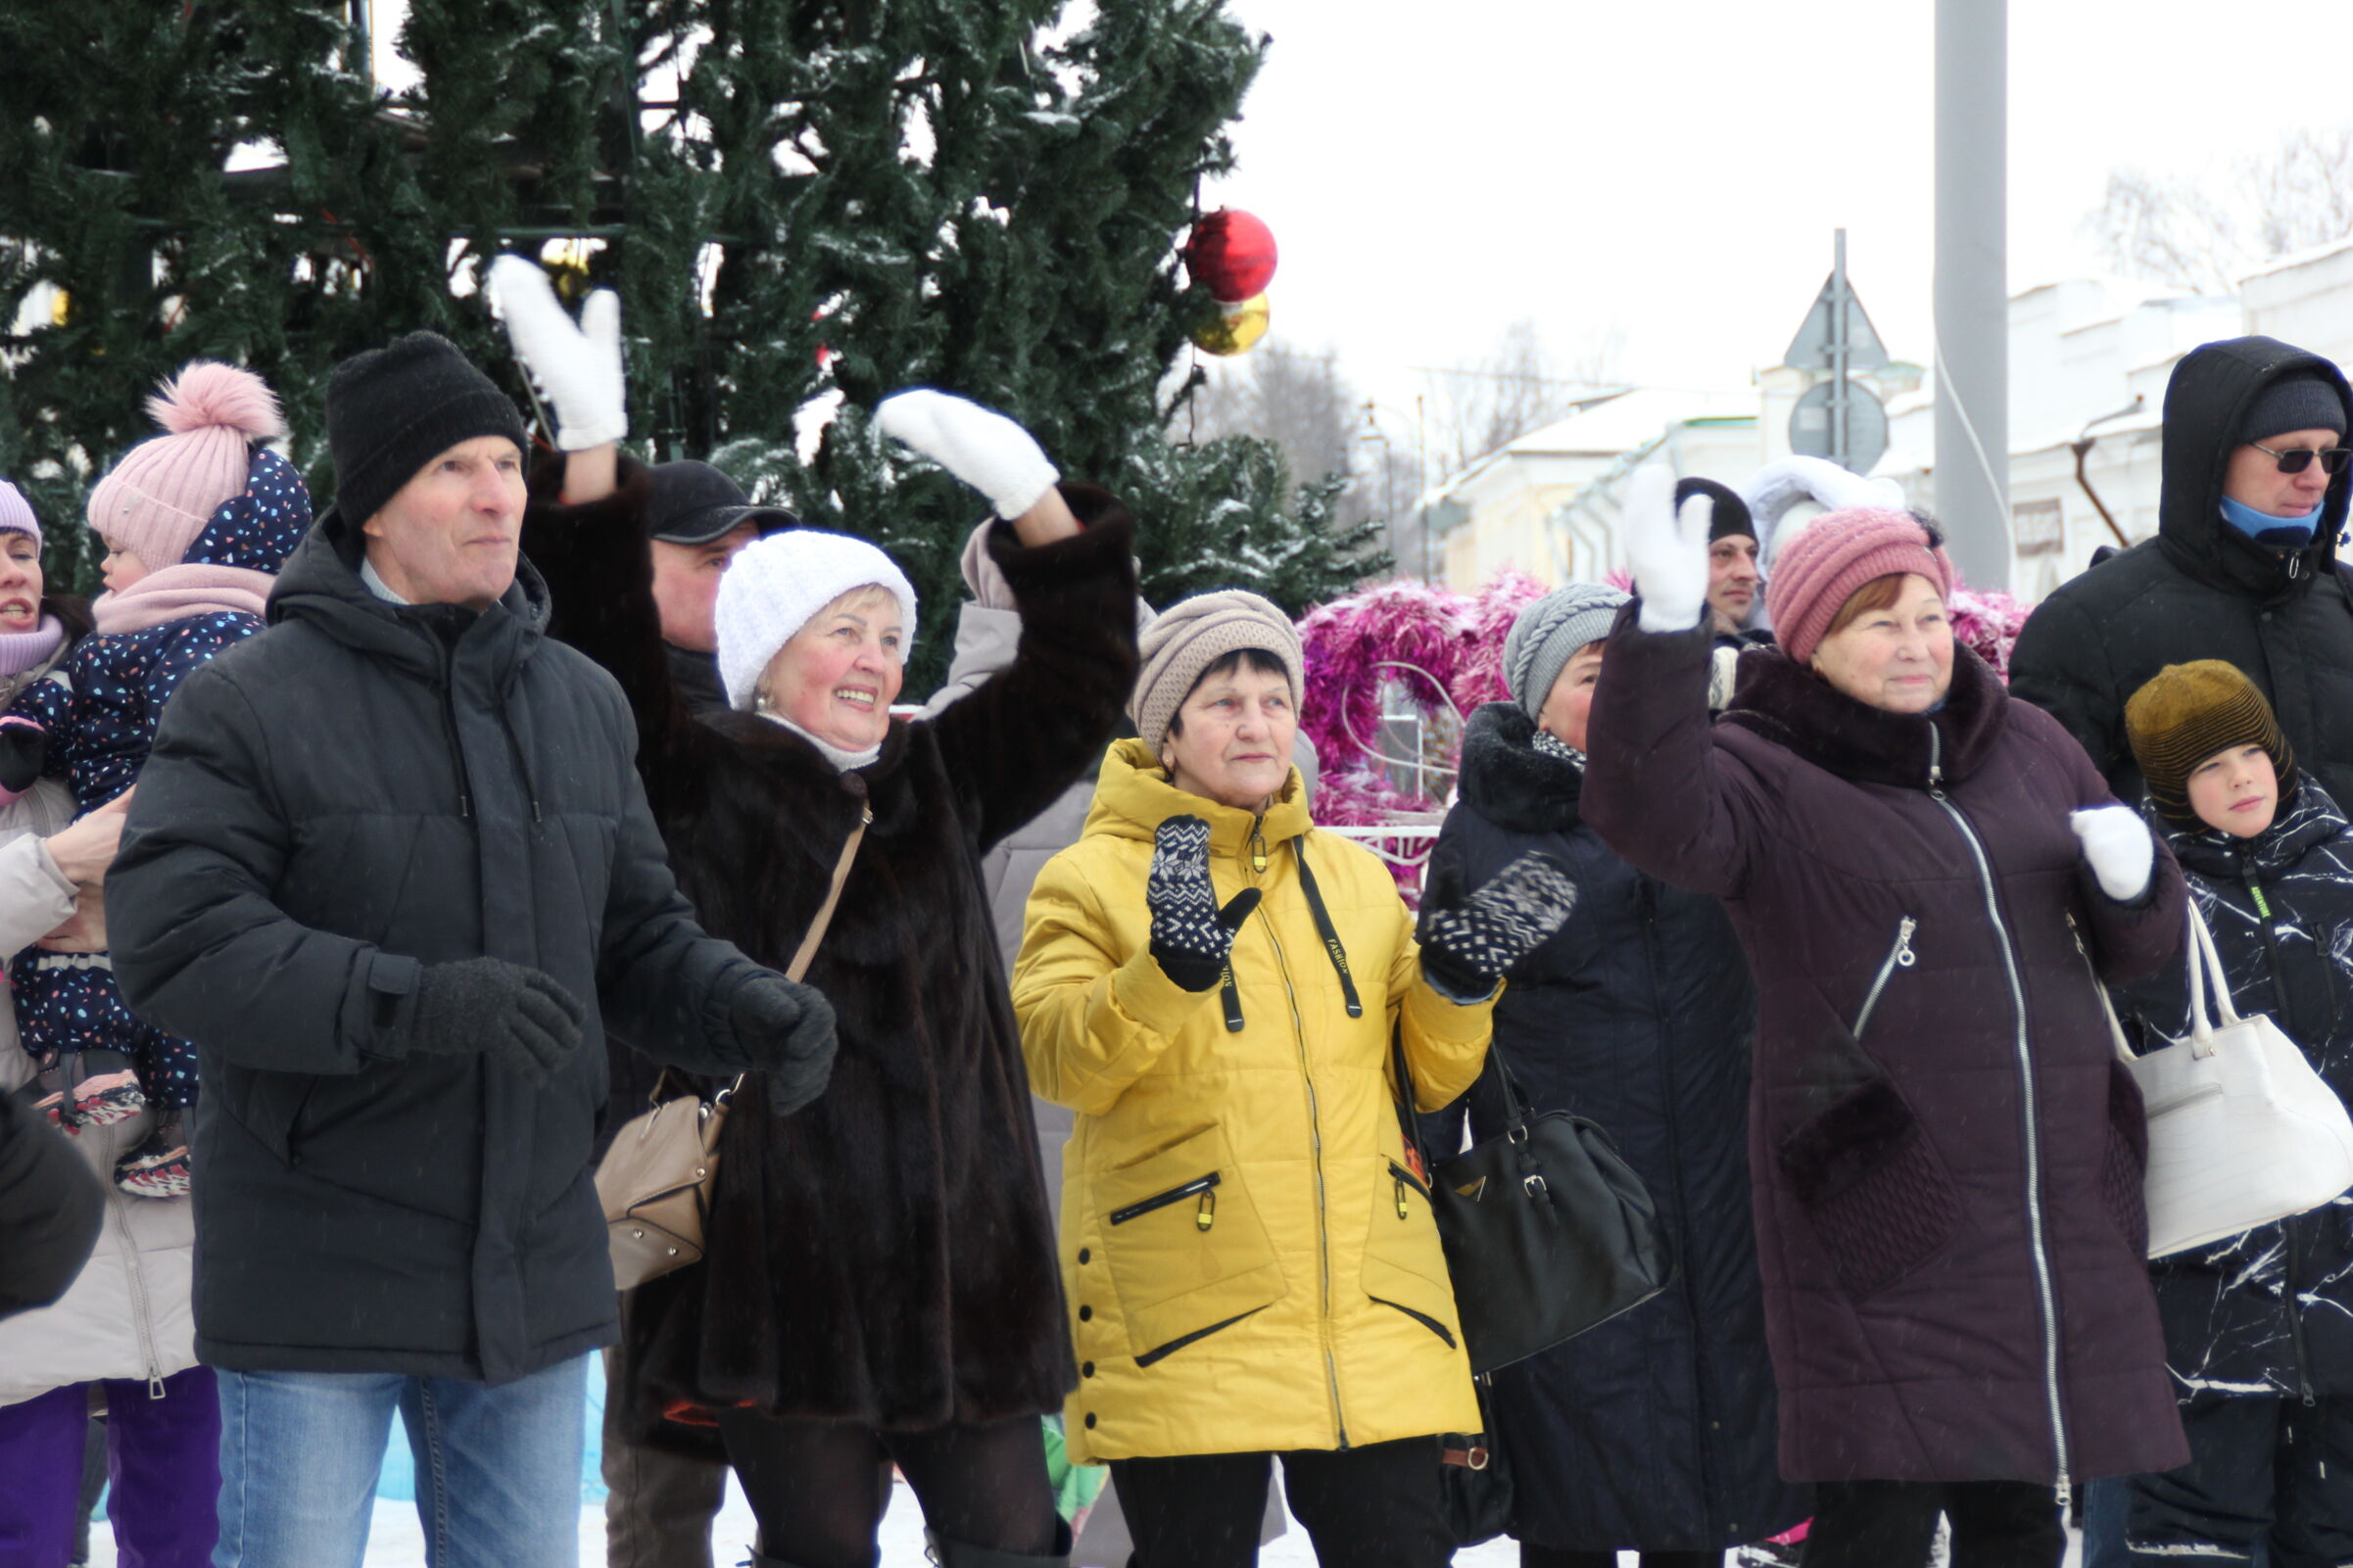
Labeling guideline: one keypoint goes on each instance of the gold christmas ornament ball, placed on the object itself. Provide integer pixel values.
(1235, 327)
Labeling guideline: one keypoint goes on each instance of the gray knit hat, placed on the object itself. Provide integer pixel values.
(1193, 634)
(2300, 400)
(1548, 633)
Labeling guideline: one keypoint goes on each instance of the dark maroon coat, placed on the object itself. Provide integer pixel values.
(1895, 1184)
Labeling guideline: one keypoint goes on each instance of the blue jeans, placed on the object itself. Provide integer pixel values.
(498, 1469)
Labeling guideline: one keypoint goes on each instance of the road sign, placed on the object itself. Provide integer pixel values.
(1815, 347)
(1814, 426)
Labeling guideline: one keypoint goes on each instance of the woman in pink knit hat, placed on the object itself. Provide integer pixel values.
(195, 522)
(1946, 1161)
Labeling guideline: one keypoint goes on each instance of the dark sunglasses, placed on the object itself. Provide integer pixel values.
(2299, 458)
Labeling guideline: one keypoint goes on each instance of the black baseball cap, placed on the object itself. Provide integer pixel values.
(693, 503)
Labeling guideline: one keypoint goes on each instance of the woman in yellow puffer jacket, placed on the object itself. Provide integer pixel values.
(1250, 1260)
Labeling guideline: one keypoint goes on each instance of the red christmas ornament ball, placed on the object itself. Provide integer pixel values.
(1230, 254)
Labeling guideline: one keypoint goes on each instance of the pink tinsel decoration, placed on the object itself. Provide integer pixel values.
(1988, 624)
(1349, 642)
(1487, 622)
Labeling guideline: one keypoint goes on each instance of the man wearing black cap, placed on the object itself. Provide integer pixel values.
(392, 869)
(696, 518)
(1735, 589)
(2243, 567)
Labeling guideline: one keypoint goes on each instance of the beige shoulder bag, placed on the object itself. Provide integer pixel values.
(655, 1181)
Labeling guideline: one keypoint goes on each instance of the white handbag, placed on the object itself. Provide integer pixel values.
(2242, 1131)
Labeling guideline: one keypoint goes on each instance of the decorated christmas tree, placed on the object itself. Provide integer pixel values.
(802, 203)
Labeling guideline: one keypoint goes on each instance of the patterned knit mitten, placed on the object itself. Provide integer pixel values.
(1191, 936)
(1469, 943)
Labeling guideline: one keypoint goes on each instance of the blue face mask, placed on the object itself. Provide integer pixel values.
(2265, 529)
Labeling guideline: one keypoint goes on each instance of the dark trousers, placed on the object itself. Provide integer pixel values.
(163, 1459)
(1533, 1555)
(819, 1488)
(1378, 1506)
(1875, 1524)
(657, 1505)
(2260, 1466)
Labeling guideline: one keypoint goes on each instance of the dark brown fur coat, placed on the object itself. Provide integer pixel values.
(886, 1254)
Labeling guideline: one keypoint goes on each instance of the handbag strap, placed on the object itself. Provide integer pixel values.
(2206, 976)
(2107, 1005)
(807, 951)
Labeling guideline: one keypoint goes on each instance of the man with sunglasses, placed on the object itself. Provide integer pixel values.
(2243, 567)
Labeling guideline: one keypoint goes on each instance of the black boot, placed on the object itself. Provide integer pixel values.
(962, 1554)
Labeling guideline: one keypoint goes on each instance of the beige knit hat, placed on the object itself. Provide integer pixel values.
(1193, 634)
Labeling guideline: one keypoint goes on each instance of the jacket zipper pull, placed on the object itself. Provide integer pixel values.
(154, 1388)
(1402, 1212)
(1258, 845)
(1905, 958)
(1205, 1215)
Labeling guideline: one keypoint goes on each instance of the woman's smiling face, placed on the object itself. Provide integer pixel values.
(20, 582)
(838, 675)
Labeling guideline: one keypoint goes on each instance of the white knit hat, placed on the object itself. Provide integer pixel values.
(776, 586)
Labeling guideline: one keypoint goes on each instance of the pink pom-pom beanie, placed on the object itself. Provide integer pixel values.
(160, 497)
(1819, 568)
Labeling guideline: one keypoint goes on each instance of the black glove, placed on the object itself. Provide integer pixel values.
(515, 1016)
(786, 1033)
(1467, 944)
(1191, 935)
(24, 754)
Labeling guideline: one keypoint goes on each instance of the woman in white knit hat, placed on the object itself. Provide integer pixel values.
(1250, 1259)
(880, 1284)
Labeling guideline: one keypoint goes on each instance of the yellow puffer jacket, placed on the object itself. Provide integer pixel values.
(1250, 1262)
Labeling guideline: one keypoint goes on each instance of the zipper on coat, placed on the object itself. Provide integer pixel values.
(1662, 1006)
(1900, 956)
(1315, 1130)
(449, 729)
(1202, 1185)
(2037, 1245)
(118, 1209)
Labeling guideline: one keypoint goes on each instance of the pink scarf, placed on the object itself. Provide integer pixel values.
(179, 592)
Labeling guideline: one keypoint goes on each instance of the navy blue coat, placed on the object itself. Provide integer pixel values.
(1657, 1429)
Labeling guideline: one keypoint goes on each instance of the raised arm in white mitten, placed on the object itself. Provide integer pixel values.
(1666, 549)
(2118, 848)
(576, 368)
(979, 446)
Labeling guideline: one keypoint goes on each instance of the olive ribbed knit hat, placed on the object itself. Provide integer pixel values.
(2188, 712)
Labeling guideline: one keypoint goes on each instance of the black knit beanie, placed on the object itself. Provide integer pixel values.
(392, 411)
(2187, 713)
(1730, 516)
(2301, 401)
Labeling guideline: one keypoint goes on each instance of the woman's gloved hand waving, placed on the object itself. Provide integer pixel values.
(1666, 550)
(1468, 942)
(1191, 936)
(979, 446)
(2118, 848)
(577, 368)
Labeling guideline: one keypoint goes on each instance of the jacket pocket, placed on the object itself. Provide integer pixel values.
(267, 1104)
(2124, 1160)
(1878, 1197)
(1405, 1267)
(1187, 1252)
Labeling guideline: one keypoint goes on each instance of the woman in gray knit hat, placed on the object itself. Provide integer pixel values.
(1248, 1253)
(1654, 1432)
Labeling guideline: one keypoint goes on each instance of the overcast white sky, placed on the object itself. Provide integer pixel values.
(1673, 171)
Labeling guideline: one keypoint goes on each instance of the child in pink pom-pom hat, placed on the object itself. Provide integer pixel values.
(196, 522)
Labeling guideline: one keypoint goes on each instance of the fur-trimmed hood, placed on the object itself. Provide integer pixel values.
(1506, 780)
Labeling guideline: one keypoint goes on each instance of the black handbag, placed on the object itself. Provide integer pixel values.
(1547, 1229)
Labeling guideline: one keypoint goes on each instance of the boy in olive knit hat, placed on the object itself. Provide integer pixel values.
(2258, 1327)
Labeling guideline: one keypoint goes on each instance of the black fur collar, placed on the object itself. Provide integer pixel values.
(1508, 781)
(1788, 705)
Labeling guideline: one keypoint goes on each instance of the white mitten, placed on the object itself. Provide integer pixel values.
(979, 446)
(576, 368)
(1666, 550)
(2118, 848)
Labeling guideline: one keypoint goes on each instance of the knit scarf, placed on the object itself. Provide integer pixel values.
(842, 761)
(2265, 529)
(1552, 745)
(176, 592)
(23, 652)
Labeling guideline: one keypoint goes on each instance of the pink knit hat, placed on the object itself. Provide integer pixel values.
(16, 513)
(160, 497)
(1820, 567)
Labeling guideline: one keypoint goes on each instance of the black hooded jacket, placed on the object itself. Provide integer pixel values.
(360, 791)
(2202, 591)
(1657, 1429)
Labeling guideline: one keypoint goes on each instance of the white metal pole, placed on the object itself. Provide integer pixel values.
(1971, 287)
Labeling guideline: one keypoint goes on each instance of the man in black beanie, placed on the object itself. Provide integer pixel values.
(392, 869)
(2243, 567)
